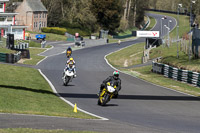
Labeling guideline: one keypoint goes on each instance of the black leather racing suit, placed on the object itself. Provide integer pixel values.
(111, 79)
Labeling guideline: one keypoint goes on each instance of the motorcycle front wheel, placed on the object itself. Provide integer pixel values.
(105, 99)
(66, 80)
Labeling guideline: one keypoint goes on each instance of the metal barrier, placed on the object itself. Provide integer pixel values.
(177, 74)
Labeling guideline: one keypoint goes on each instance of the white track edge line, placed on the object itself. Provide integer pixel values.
(68, 102)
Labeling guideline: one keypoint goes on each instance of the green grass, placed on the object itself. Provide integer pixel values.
(127, 32)
(51, 36)
(117, 59)
(152, 23)
(24, 90)
(35, 58)
(28, 130)
(129, 56)
(146, 74)
(5, 50)
(34, 44)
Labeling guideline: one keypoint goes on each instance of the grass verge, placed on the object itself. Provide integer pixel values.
(35, 58)
(117, 59)
(51, 36)
(146, 74)
(28, 130)
(129, 56)
(24, 90)
(152, 23)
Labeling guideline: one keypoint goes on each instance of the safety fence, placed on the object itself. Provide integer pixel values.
(21, 46)
(10, 58)
(177, 74)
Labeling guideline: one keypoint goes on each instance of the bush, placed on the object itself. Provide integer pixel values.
(61, 31)
(55, 30)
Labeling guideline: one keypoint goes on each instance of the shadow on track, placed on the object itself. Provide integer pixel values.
(27, 89)
(133, 97)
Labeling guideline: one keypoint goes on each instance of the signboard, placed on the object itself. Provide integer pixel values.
(76, 34)
(147, 34)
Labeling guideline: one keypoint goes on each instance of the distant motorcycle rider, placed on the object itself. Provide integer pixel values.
(115, 80)
(69, 52)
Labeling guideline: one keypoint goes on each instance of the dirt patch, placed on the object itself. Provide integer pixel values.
(126, 63)
(22, 60)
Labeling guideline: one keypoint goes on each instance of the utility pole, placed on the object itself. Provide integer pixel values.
(189, 52)
(179, 5)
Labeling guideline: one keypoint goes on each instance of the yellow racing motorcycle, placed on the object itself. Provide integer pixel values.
(106, 95)
(69, 53)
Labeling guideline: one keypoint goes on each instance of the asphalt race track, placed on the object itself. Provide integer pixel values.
(140, 103)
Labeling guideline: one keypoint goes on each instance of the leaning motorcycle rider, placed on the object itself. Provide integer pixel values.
(71, 65)
(115, 80)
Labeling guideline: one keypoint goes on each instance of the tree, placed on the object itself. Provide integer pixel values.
(108, 13)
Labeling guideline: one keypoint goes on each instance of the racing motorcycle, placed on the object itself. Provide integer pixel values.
(69, 53)
(107, 93)
(68, 75)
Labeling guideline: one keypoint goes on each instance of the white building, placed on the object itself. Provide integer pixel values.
(8, 23)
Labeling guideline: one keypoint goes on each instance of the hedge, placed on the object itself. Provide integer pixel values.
(61, 31)
(55, 30)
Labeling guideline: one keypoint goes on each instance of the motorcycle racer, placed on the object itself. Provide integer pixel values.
(71, 65)
(115, 80)
(69, 52)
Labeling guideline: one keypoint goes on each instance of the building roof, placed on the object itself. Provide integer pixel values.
(4, 1)
(13, 26)
(36, 5)
(7, 14)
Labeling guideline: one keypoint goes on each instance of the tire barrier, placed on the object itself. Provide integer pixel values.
(177, 74)
(2, 57)
(10, 58)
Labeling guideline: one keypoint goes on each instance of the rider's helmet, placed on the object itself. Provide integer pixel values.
(69, 48)
(115, 74)
(71, 59)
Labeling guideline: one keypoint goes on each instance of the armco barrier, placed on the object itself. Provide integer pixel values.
(177, 74)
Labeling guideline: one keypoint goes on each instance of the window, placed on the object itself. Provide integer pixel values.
(9, 19)
(2, 19)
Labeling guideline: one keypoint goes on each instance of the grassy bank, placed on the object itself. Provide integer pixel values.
(26, 130)
(24, 90)
(152, 23)
(50, 36)
(129, 56)
(35, 58)
(119, 58)
(146, 74)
